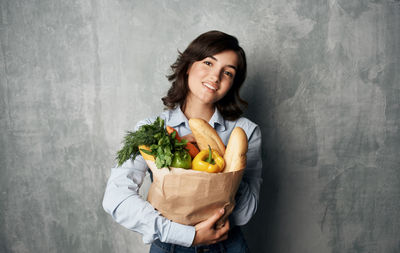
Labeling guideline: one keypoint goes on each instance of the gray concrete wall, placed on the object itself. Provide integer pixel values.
(323, 83)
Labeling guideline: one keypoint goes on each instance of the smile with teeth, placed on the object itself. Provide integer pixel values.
(210, 86)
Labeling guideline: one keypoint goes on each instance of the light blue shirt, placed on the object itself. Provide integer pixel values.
(123, 202)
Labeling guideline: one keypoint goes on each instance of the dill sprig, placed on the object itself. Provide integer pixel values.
(145, 135)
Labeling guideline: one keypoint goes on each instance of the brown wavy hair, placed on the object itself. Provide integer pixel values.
(208, 44)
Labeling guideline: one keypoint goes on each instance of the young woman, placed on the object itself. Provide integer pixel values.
(206, 80)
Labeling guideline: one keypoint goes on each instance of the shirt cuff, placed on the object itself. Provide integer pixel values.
(181, 234)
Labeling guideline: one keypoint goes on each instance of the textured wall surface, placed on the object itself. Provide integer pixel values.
(323, 84)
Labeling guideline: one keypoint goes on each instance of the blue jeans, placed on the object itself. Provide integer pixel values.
(234, 244)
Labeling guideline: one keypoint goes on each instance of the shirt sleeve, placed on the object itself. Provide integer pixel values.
(247, 196)
(123, 202)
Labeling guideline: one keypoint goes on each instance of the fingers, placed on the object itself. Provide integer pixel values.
(213, 219)
(223, 230)
(220, 237)
(227, 225)
(209, 223)
(189, 137)
(222, 233)
(206, 233)
(223, 238)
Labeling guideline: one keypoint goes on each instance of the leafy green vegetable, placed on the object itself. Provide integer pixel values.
(162, 145)
(165, 149)
(145, 135)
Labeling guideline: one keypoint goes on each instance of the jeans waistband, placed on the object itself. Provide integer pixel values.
(234, 233)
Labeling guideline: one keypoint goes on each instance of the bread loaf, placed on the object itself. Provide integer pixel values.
(206, 135)
(235, 154)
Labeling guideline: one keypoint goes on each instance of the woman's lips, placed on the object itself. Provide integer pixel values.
(210, 86)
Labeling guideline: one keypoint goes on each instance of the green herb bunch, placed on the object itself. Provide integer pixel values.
(145, 135)
(165, 149)
(162, 145)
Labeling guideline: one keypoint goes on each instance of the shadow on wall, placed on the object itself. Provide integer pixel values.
(259, 232)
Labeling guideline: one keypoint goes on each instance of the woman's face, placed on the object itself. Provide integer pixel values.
(211, 78)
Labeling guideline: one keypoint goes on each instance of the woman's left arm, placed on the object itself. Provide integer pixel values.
(247, 196)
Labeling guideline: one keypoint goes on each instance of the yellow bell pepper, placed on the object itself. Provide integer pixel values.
(146, 156)
(208, 161)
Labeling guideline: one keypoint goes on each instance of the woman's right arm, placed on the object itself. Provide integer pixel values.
(123, 202)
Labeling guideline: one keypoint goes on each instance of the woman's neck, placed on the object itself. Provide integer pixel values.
(200, 111)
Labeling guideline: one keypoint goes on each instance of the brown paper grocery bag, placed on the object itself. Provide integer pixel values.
(188, 196)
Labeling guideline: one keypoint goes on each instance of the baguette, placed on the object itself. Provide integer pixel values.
(235, 154)
(206, 135)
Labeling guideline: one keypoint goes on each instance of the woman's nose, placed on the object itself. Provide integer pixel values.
(215, 75)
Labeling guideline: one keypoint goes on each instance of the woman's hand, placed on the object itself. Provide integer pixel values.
(207, 234)
(190, 138)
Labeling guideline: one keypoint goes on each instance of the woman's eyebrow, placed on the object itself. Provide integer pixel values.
(215, 59)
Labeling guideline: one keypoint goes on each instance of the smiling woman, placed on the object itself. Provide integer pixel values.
(210, 79)
(206, 80)
(224, 57)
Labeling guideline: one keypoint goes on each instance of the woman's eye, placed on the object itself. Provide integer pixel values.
(207, 63)
(228, 73)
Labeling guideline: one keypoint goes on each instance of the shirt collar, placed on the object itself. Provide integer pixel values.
(217, 120)
(177, 117)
